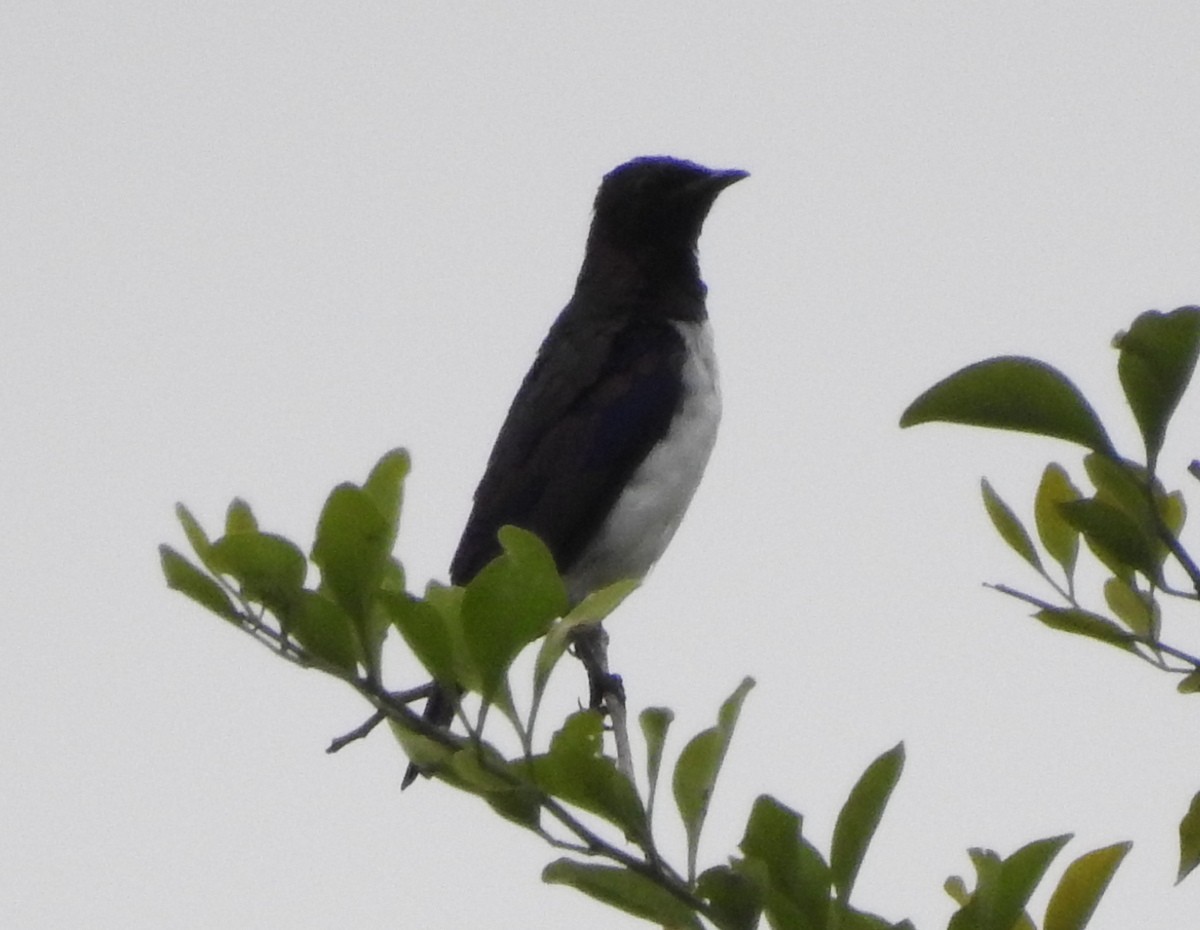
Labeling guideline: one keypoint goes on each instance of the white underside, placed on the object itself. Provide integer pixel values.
(652, 506)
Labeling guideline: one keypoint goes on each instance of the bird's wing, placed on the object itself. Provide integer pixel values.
(573, 436)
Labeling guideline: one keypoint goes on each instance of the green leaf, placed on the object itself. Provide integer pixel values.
(430, 633)
(1130, 488)
(957, 889)
(1189, 840)
(1158, 356)
(860, 817)
(577, 771)
(1019, 876)
(269, 568)
(509, 604)
(385, 486)
(186, 578)
(1009, 527)
(196, 536)
(1012, 393)
(599, 604)
(654, 722)
(1081, 887)
(1173, 509)
(353, 551)
(239, 518)
(1121, 484)
(734, 898)
(554, 647)
(698, 766)
(373, 628)
(623, 889)
(325, 630)
(1085, 623)
(847, 918)
(1190, 683)
(1004, 887)
(502, 700)
(351, 548)
(521, 806)
(592, 609)
(393, 576)
(1057, 535)
(974, 912)
(475, 767)
(794, 879)
(772, 832)
(427, 754)
(447, 600)
(1116, 539)
(1135, 492)
(467, 771)
(1136, 609)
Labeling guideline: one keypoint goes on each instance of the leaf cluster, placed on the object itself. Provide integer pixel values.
(332, 611)
(1127, 520)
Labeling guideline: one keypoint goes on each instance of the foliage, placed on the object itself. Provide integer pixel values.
(1129, 521)
(566, 789)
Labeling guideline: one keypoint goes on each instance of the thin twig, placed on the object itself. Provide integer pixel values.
(359, 732)
(1169, 650)
(1022, 596)
(1147, 641)
(364, 729)
(1181, 556)
(1164, 533)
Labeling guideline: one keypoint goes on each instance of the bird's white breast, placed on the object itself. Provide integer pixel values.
(650, 509)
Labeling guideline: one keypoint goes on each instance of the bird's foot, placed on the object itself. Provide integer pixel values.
(601, 686)
(590, 646)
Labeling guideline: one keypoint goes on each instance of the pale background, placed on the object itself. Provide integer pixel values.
(249, 247)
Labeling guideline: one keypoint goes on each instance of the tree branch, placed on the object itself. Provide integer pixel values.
(394, 706)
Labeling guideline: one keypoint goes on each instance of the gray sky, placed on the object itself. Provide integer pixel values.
(248, 248)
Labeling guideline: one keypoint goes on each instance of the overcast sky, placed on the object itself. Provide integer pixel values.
(250, 247)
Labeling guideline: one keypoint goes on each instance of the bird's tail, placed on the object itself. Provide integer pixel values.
(439, 710)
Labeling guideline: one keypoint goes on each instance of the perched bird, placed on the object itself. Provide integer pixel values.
(608, 435)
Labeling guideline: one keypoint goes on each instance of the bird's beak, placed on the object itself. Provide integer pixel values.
(719, 180)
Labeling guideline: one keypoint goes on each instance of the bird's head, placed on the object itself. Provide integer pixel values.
(657, 204)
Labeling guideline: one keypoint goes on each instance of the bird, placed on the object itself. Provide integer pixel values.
(609, 434)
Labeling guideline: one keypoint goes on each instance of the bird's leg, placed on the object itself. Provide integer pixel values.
(590, 646)
(606, 690)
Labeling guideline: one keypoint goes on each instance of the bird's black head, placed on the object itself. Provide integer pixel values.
(656, 205)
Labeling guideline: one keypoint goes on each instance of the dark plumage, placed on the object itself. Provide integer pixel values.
(609, 433)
